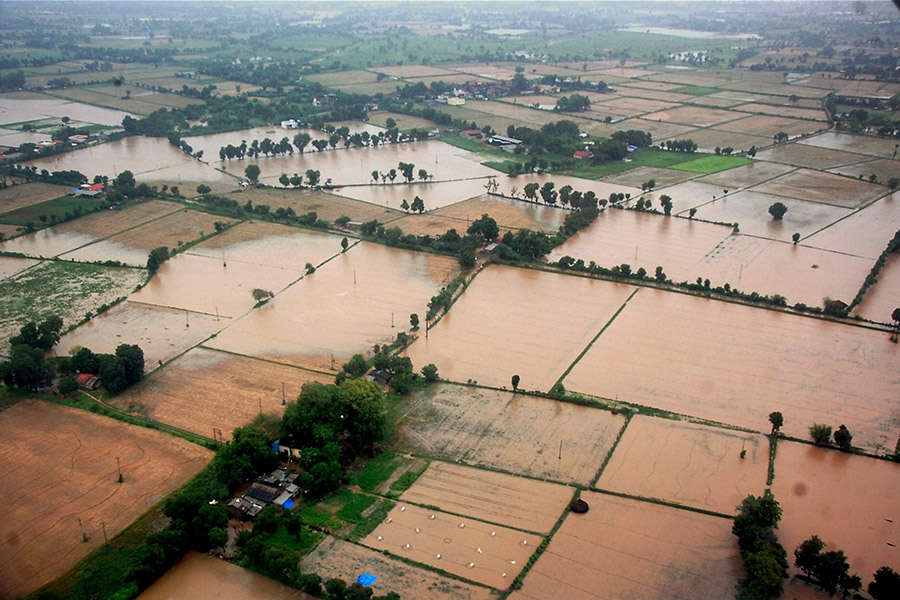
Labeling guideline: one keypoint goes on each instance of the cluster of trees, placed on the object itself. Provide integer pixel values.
(403, 168)
(31, 173)
(11, 81)
(822, 434)
(892, 246)
(778, 210)
(687, 145)
(829, 570)
(156, 258)
(765, 560)
(561, 137)
(573, 103)
(26, 368)
(119, 371)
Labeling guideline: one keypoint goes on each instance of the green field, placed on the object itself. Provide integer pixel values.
(712, 164)
(58, 207)
(645, 157)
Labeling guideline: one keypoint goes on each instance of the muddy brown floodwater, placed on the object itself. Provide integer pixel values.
(203, 577)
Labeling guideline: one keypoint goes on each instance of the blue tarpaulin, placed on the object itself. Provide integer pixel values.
(275, 447)
(289, 504)
(366, 579)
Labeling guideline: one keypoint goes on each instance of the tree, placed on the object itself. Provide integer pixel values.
(777, 420)
(777, 210)
(156, 258)
(423, 174)
(252, 172)
(25, 368)
(356, 366)
(895, 317)
(893, 183)
(404, 205)
(430, 372)
(67, 385)
(486, 227)
(530, 190)
(515, 382)
(885, 585)
(843, 437)
(312, 177)
(284, 180)
(112, 371)
(392, 175)
(131, 358)
(807, 555)
(85, 361)
(407, 170)
(821, 434)
(203, 189)
(692, 212)
(796, 238)
(344, 244)
(757, 516)
(666, 202)
(548, 194)
(375, 175)
(301, 140)
(364, 416)
(44, 335)
(418, 205)
(414, 321)
(125, 181)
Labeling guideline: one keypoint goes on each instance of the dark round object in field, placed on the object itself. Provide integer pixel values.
(579, 506)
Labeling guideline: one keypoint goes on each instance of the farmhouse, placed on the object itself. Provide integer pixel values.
(502, 140)
(90, 191)
(88, 381)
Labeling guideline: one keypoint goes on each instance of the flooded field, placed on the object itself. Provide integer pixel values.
(543, 323)
(206, 389)
(270, 245)
(10, 266)
(688, 194)
(16, 110)
(865, 232)
(645, 240)
(799, 273)
(58, 466)
(151, 160)
(489, 496)
(826, 188)
(883, 168)
(746, 175)
(337, 558)
(434, 195)
(662, 177)
(326, 206)
(743, 364)
(814, 157)
(624, 549)
(863, 525)
(767, 126)
(66, 289)
(133, 246)
(514, 214)
(515, 433)
(882, 298)
(203, 577)
(750, 209)
(203, 284)
(696, 116)
(355, 165)
(488, 554)
(64, 237)
(708, 140)
(344, 308)
(862, 144)
(211, 143)
(693, 465)
(816, 114)
(17, 196)
(162, 333)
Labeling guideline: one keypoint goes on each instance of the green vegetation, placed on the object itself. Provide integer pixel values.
(353, 505)
(53, 211)
(829, 570)
(711, 164)
(765, 560)
(403, 483)
(642, 157)
(376, 471)
(369, 523)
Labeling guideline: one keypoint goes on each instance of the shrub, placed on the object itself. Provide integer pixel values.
(821, 434)
(67, 385)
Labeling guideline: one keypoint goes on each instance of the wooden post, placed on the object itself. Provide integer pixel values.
(283, 399)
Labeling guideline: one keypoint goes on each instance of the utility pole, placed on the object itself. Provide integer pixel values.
(103, 526)
(283, 400)
(84, 537)
(259, 400)
(119, 469)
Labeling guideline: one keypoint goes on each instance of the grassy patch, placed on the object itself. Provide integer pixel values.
(474, 146)
(319, 518)
(367, 526)
(404, 482)
(282, 539)
(353, 505)
(58, 207)
(712, 164)
(696, 90)
(376, 470)
(645, 157)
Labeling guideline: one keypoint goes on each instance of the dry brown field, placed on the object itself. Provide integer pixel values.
(87, 95)
(767, 126)
(435, 194)
(162, 333)
(630, 73)
(694, 115)
(513, 214)
(746, 175)
(17, 196)
(337, 558)
(516, 112)
(531, 100)
(344, 308)
(485, 70)
(10, 266)
(623, 549)
(644, 240)
(662, 177)
(206, 389)
(430, 224)
(882, 298)
(270, 245)
(491, 555)
(381, 87)
(863, 524)
(864, 233)
(775, 89)
(802, 155)
(800, 273)
(344, 77)
(652, 85)
(455, 79)
(659, 129)
(860, 144)
(710, 100)
(883, 168)
(326, 206)
(815, 114)
(355, 165)
(826, 188)
(686, 463)
(489, 496)
(543, 323)
(751, 210)
(406, 71)
(162, 99)
(59, 467)
(767, 355)
(133, 245)
(512, 432)
(640, 104)
(204, 577)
